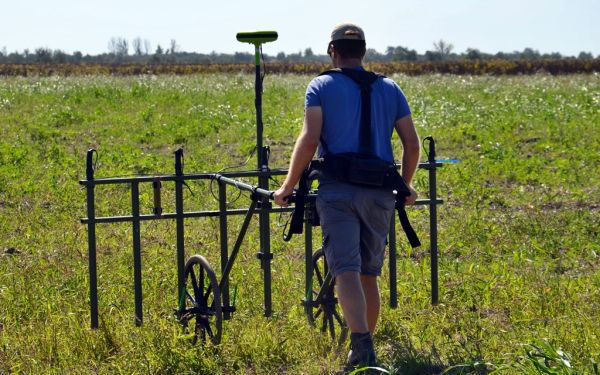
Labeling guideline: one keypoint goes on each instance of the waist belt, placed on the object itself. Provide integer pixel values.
(370, 171)
(340, 168)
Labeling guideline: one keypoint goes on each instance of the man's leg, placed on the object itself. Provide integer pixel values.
(354, 305)
(372, 299)
(352, 299)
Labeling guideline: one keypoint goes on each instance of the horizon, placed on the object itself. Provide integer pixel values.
(274, 54)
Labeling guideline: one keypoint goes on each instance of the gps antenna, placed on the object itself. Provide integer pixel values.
(257, 37)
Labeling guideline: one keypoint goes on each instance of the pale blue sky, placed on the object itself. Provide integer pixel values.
(565, 26)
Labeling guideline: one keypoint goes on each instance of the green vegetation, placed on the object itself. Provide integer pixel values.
(519, 229)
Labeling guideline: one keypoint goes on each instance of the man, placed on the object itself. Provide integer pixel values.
(354, 219)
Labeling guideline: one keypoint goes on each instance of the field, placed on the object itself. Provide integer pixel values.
(519, 228)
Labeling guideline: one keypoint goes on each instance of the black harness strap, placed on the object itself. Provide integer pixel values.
(297, 219)
(364, 79)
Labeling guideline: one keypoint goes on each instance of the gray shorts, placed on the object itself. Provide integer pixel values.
(355, 222)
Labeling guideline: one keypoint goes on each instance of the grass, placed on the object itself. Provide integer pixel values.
(519, 233)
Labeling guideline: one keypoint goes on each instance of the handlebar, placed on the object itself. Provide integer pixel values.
(263, 193)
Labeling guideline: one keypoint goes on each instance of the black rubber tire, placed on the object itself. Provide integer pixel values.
(326, 313)
(202, 302)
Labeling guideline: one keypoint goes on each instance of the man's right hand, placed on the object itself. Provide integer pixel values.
(282, 194)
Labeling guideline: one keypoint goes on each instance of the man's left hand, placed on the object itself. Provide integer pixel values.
(412, 198)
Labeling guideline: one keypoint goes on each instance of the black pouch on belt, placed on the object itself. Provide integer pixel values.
(360, 169)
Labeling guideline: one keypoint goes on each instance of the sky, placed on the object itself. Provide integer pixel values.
(564, 26)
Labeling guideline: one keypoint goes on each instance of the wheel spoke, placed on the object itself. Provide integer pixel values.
(203, 332)
(190, 297)
(209, 330)
(331, 326)
(324, 324)
(338, 318)
(319, 312)
(206, 296)
(318, 273)
(194, 283)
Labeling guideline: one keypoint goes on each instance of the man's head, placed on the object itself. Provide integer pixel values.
(348, 41)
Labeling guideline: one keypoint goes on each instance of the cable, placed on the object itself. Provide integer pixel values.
(264, 72)
(228, 168)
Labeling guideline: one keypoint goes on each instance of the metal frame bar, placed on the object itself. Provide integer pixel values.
(137, 257)
(91, 224)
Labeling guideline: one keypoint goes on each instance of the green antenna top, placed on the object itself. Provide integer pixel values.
(257, 37)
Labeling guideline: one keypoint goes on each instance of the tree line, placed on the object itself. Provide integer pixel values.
(139, 51)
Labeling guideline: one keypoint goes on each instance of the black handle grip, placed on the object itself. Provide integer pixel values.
(179, 162)
(89, 164)
(431, 151)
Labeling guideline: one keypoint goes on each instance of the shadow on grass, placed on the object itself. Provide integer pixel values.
(407, 361)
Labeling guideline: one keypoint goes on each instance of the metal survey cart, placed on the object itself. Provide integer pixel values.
(204, 298)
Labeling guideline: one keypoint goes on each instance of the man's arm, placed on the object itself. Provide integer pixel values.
(411, 152)
(304, 150)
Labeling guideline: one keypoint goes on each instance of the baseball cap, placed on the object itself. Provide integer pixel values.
(347, 31)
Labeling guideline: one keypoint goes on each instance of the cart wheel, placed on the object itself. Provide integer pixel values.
(325, 313)
(200, 306)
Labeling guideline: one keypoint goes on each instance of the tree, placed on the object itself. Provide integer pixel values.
(147, 47)
(159, 50)
(373, 55)
(582, 55)
(137, 46)
(443, 48)
(530, 54)
(309, 54)
(118, 46)
(552, 55)
(77, 57)
(59, 57)
(433, 56)
(401, 54)
(473, 54)
(242, 57)
(294, 57)
(43, 55)
(174, 47)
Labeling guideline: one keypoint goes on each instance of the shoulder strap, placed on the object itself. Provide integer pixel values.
(364, 79)
(361, 77)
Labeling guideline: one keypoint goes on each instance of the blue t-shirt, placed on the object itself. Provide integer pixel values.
(339, 98)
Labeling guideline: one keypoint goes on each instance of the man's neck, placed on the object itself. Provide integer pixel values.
(347, 63)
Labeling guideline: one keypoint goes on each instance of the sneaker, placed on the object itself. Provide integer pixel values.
(362, 353)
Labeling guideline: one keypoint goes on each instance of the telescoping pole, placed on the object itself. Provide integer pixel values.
(258, 38)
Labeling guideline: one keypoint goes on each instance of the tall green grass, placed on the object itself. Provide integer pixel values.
(519, 229)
